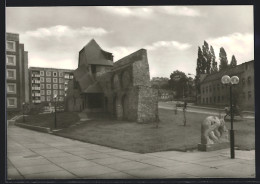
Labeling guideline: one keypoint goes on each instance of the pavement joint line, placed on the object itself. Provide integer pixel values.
(15, 169)
(56, 164)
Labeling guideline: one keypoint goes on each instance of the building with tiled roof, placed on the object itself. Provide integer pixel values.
(212, 91)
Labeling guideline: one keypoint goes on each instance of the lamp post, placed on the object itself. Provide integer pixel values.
(23, 112)
(231, 81)
(55, 99)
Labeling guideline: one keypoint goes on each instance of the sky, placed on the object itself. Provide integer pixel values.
(53, 36)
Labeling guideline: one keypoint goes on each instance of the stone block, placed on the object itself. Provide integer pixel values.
(213, 147)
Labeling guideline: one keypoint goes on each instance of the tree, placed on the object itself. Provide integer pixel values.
(214, 64)
(206, 64)
(223, 59)
(199, 68)
(178, 82)
(233, 62)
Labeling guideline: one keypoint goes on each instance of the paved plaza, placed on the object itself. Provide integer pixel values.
(35, 155)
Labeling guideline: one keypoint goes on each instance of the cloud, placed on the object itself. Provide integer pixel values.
(128, 12)
(145, 12)
(179, 10)
(238, 44)
(168, 44)
(60, 31)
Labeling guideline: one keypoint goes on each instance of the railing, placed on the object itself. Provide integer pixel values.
(35, 75)
(36, 81)
(36, 88)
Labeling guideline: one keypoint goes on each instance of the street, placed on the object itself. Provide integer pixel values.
(198, 109)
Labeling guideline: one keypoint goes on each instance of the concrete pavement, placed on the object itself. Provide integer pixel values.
(35, 155)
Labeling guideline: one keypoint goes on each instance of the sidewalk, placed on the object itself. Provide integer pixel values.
(35, 155)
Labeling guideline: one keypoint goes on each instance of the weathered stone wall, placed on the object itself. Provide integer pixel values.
(147, 104)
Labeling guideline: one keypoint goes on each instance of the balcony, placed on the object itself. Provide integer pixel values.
(36, 101)
(35, 75)
(36, 81)
(36, 94)
(36, 88)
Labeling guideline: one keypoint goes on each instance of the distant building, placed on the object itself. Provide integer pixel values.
(214, 92)
(46, 82)
(17, 86)
(121, 88)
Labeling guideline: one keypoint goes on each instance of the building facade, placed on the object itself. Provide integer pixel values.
(17, 85)
(214, 92)
(47, 82)
(121, 88)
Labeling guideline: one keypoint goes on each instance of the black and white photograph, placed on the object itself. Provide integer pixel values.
(130, 92)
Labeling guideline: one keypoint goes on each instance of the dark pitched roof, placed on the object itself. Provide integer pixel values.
(94, 54)
(231, 71)
(83, 78)
(216, 76)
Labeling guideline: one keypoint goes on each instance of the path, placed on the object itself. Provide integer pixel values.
(35, 155)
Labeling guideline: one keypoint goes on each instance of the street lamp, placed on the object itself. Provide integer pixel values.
(231, 81)
(55, 99)
(23, 112)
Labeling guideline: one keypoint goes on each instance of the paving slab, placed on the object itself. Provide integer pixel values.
(36, 155)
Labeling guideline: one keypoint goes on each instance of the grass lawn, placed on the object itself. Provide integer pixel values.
(145, 138)
(64, 119)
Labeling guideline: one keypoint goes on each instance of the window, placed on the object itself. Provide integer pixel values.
(48, 86)
(61, 80)
(10, 46)
(61, 86)
(223, 98)
(42, 86)
(207, 91)
(218, 98)
(243, 81)
(55, 86)
(207, 100)
(48, 92)
(218, 87)
(11, 60)
(203, 100)
(55, 74)
(249, 80)
(61, 92)
(42, 98)
(214, 99)
(55, 92)
(11, 88)
(48, 98)
(249, 95)
(210, 100)
(11, 102)
(210, 89)
(61, 74)
(203, 91)
(54, 80)
(42, 73)
(48, 80)
(48, 73)
(42, 92)
(11, 74)
(244, 95)
(42, 79)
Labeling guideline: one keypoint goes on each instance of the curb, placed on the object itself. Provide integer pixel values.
(36, 128)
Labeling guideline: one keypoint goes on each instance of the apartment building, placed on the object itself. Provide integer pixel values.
(214, 92)
(17, 85)
(47, 82)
